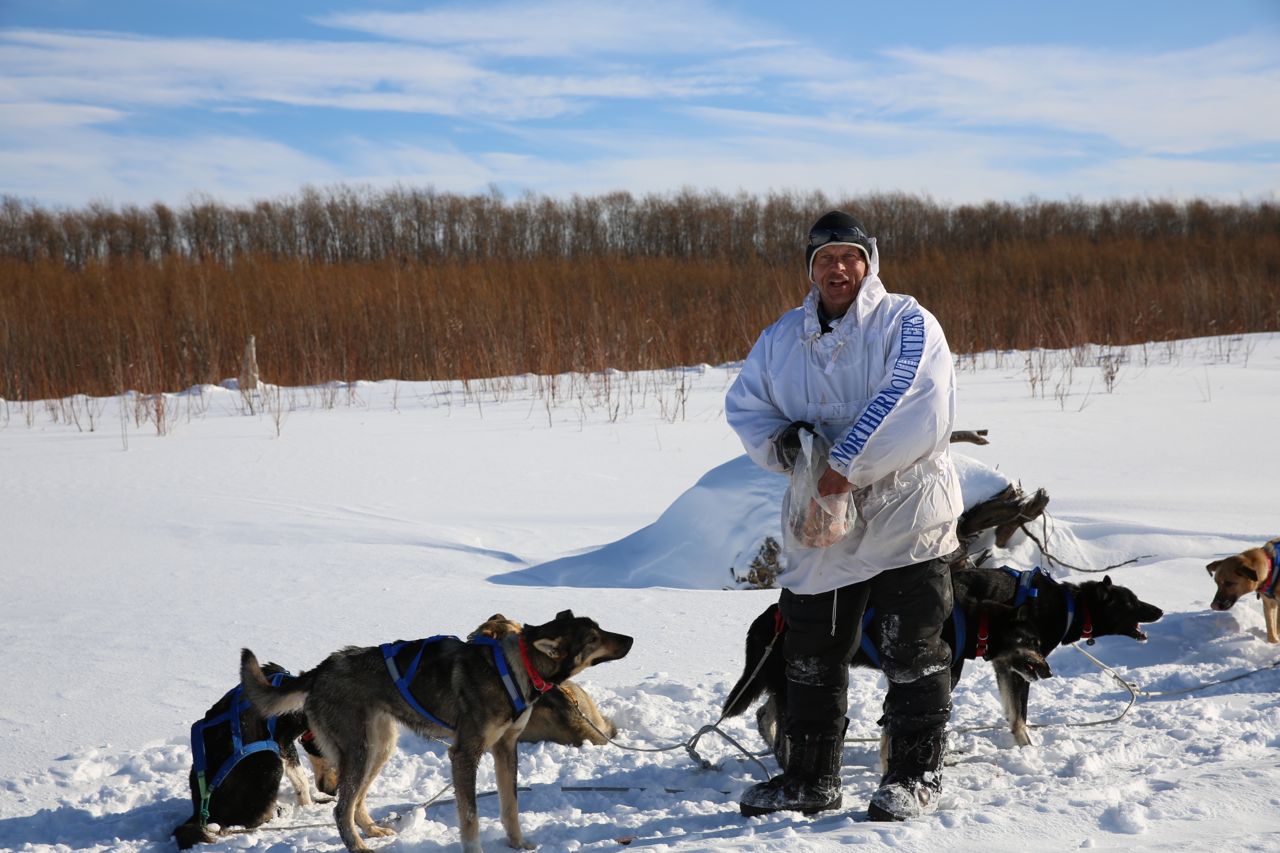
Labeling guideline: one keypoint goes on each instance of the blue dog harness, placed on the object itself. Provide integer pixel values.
(1025, 588)
(240, 750)
(404, 679)
(1024, 593)
(957, 647)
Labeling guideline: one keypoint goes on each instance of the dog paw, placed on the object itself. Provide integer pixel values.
(521, 844)
(1028, 664)
(378, 831)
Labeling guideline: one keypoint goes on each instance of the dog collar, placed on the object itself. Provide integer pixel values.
(984, 635)
(540, 684)
(1086, 630)
(1268, 588)
(1086, 633)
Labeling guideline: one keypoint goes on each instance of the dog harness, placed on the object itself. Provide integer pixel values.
(240, 750)
(957, 622)
(1268, 588)
(403, 680)
(1025, 588)
(1027, 591)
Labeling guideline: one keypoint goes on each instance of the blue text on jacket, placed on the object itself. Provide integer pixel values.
(904, 374)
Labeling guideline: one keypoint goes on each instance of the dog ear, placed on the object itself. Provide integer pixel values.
(1106, 581)
(1250, 572)
(497, 617)
(565, 614)
(1212, 568)
(552, 647)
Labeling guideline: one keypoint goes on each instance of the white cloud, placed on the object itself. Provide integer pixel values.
(566, 28)
(28, 116)
(955, 167)
(158, 72)
(1220, 95)
(92, 165)
(520, 83)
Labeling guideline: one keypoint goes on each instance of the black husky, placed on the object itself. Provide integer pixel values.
(238, 759)
(1013, 619)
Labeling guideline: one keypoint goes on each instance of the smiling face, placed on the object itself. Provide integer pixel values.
(838, 270)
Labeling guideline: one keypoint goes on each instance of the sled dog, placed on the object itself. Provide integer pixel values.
(1252, 570)
(989, 621)
(233, 786)
(478, 694)
(566, 715)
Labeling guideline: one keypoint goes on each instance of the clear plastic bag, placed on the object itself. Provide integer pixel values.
(809, 520)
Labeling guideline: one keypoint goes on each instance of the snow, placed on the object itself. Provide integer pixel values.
(136, 565)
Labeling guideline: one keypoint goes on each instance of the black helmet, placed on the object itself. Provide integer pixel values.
(839, 228)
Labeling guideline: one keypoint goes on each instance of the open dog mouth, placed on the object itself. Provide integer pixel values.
(1148, 615)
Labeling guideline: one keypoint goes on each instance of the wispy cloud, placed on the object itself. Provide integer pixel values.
(1182, 101)
(116, 168)
(26, 116)
(569, 29)
(134, 71)
(562, 96)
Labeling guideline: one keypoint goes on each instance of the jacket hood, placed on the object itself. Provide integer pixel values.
(870, 292)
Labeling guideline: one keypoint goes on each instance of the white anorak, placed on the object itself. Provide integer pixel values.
(880, 387)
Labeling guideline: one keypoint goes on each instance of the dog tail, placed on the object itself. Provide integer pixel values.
(270, 701)
(764, 668)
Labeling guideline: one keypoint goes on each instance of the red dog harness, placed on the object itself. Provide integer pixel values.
(1026, 591)
(1268, 587)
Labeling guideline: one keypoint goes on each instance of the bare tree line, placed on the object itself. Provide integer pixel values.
(354, 225)
(411, 284)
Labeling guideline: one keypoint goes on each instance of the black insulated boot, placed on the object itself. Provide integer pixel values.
(914, 781)
(810, 784)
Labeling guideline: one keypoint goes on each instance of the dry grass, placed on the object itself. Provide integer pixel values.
(100, 301)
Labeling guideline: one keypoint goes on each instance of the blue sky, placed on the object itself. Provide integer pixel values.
(133, 101)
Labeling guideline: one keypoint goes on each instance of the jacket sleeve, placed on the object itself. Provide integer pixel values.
(912, 412)
(751, 409)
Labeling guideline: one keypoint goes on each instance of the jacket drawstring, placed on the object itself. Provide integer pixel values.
(835, 353)
(835, 595)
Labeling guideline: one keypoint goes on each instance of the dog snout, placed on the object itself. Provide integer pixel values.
(1221, 603)
(618, 645)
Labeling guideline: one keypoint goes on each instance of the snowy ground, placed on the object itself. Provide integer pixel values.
(136, 565)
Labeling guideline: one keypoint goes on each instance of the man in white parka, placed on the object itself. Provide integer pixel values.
(870, 371)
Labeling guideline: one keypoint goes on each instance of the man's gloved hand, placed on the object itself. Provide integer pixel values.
(787, 442)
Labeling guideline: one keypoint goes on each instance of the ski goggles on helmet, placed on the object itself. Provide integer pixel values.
(823, 236)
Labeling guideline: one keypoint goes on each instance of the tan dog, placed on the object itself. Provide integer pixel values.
(566, 715)
(1253, 570)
